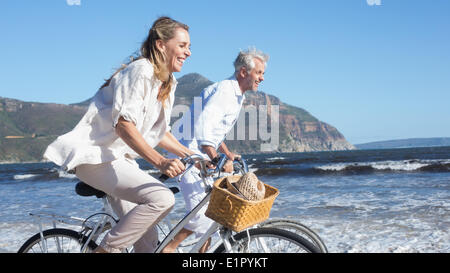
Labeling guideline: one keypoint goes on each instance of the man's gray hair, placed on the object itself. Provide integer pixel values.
(245, 59)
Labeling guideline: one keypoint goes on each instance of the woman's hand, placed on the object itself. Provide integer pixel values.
(171, 167)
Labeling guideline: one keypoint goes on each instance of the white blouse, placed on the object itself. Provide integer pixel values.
(131, 94)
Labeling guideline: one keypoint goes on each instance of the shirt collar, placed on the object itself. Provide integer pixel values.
(236, 88)
(174, 80)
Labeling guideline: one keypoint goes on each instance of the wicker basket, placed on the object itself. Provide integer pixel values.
(235, 212)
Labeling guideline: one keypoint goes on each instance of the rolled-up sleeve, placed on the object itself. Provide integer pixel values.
(128, 100)
(210, 126)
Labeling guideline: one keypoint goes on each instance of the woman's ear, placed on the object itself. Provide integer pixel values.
(160, 45)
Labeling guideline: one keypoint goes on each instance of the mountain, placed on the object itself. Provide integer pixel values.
(406, 143)
(26, 128)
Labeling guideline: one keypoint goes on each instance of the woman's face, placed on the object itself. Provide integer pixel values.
(177, 50)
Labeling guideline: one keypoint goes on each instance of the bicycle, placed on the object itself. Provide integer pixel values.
(240, 167)
(254, 239)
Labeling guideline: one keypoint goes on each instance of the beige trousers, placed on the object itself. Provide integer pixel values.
(139, 199)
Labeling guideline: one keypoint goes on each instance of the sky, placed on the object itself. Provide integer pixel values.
(374, 69)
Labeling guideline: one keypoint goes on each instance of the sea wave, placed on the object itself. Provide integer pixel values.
(51, 174)
(272, 168)
(275, 159)
(24, 176)
(414, 165)
(403, 165)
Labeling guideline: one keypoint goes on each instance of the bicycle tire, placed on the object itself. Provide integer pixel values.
(55, 239)
(298, 228)
(240, 243)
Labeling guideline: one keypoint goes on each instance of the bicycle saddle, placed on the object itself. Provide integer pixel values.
(84, 189)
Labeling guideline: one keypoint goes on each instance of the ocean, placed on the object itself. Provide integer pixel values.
(371, 201)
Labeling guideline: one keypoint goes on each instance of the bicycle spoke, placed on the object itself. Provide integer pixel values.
(56, 240)
(40, 246)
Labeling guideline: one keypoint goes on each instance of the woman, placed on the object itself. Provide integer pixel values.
(128, 117)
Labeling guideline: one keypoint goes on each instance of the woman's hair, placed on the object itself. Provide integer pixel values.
(163, 28)
(245, 59)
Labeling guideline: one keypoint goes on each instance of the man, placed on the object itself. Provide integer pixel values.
(210, 121)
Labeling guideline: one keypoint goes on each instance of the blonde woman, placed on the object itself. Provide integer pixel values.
(128, 118)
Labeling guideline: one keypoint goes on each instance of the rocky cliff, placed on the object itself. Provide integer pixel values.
(266, 124)
(298, 131)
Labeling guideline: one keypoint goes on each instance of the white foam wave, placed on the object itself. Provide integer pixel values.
(398, 165)
(402, 165)
(251, 168)
(63, 174)
(24, 176)
(333, 167)
(271, 159)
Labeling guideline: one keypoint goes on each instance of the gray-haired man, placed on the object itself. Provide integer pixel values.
(210, 121)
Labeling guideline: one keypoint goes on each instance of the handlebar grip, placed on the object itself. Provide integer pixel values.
(164, 177)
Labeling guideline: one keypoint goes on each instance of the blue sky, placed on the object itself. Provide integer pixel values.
(375, 72)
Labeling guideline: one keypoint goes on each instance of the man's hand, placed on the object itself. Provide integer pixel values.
(228, 167)
(211, 152)
(233, 156)
(209, 165)
(230, 155)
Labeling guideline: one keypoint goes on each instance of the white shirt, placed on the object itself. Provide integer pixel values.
(131, 94)
(213, 115)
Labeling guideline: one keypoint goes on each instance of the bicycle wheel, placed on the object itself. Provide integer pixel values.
(57, 240)
(268, 240)
(297, 228)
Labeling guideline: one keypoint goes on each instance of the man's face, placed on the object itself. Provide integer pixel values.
(256, 76)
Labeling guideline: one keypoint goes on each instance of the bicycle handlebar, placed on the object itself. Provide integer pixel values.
(238, 164)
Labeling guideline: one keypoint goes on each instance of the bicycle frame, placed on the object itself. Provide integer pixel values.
(225, 233)
(214, 227)
(107, 214)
